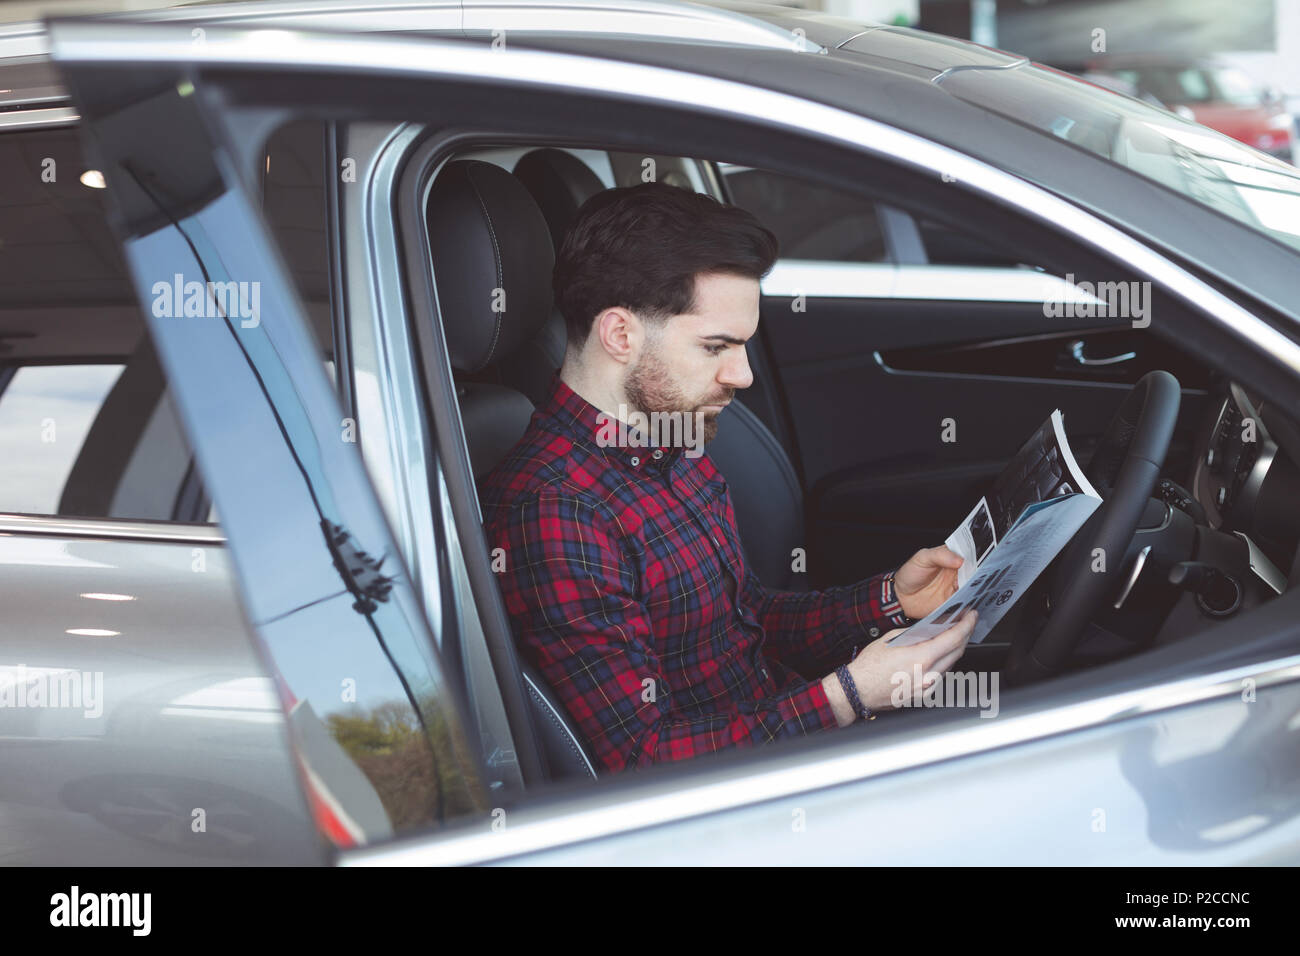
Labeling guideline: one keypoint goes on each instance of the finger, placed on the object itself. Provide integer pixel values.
(945, 663)
(946, 557)
(947, 641)
(888, 636)
(940, 556)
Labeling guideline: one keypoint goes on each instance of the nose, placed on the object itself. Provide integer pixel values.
(735, 372)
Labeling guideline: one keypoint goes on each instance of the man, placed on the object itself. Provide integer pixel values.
(623, 573)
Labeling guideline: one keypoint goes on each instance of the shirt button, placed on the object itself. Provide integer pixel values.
(635, 461)
(659, 453)
(874, 632)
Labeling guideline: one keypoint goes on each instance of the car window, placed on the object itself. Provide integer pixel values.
(810, 221)
(295, 206)
(946, 246)
(87, 426)
(47, 411)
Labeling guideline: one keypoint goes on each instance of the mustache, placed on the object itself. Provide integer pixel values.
(722, 399)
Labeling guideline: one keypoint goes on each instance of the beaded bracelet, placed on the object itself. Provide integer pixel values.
(851, 692)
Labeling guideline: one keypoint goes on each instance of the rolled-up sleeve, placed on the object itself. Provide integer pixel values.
(814, 632)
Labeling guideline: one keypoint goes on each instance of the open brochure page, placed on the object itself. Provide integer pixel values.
(1008, 570)
(1043, 468)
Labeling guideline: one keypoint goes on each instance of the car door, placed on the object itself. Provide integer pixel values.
(138, 723)
(944, 342)
(308, 532)
(375, 720)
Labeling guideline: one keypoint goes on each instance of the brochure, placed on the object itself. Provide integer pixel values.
(1033, 509)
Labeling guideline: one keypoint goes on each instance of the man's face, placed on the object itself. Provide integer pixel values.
(695, 361)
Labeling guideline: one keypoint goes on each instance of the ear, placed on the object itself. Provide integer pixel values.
(619, 333)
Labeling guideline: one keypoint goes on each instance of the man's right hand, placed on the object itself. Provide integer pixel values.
(874, 669)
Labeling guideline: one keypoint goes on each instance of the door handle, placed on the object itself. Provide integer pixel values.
(1076, 353)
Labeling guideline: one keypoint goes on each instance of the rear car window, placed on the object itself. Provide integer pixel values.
(47, 411)
(810, 221)
(87, 425)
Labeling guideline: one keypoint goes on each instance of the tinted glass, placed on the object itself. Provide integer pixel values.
(45, 414)
(87, 427)
(810, 221)
(945, 246)
(1197, 162)
(294, 204)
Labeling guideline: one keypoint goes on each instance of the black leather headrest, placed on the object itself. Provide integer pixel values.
(492, 262)
(560, 183)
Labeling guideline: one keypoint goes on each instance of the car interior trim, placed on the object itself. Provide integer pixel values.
(884, 280)
(35, 118)
(1134, 573)
(1264, 569)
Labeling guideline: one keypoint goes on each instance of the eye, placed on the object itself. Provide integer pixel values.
(714, 349)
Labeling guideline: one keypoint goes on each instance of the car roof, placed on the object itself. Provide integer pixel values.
(886, 73)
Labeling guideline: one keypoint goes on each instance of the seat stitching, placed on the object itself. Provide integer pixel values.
(549, 711)
(496, 256)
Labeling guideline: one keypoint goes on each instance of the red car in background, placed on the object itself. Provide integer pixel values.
(1209, 91)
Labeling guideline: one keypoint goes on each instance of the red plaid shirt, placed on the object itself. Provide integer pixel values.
(620, 569)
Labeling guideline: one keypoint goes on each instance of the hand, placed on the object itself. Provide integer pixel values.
(927, 580)
(876, 668)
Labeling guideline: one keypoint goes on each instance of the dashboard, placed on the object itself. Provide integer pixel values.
(1246, 479)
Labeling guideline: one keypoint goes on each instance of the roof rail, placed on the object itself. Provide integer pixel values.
(668, 19)
(649, 19)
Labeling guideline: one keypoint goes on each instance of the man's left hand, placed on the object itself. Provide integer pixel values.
(927, 580)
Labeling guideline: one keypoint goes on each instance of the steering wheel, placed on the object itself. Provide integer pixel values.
(1124, 470)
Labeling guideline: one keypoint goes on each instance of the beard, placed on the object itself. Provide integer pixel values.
(650, 387)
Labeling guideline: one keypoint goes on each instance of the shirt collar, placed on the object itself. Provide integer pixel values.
(614, 438)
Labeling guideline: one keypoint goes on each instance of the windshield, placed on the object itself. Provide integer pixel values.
(1194, 160)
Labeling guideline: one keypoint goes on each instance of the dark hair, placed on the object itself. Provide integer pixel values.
(641, 247)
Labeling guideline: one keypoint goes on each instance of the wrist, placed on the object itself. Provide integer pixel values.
(838, 700)
(894, 603)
